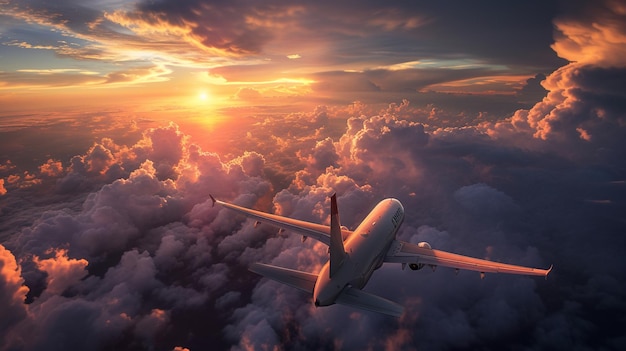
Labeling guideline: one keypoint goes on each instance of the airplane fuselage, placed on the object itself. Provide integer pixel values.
(366, 248)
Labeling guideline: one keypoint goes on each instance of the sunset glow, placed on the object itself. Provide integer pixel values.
(500, 126)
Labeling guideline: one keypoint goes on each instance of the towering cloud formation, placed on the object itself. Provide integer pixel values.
(583, 114)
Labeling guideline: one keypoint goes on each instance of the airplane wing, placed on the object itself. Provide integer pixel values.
(407, 253)
(316, 231)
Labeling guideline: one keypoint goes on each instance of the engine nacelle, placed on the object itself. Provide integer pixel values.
(424, 245)
(416, 266)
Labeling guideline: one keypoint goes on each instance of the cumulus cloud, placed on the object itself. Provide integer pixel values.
(592, 34)
(582, 115)
(61, 271)
(124, 260)
(480, 199)
(146, 252)
(13, 294)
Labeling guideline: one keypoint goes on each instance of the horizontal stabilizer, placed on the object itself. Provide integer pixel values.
(297, 279)
(360, 299)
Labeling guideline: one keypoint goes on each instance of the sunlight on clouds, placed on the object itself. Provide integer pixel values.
(500, 85)
(63, 272)
(221, 80)
(454, 64)
(596, 43)
(50, 71)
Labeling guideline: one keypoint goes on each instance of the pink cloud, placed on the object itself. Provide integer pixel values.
(52, 168)
(12, 296)
(597, 38)
(63, 272)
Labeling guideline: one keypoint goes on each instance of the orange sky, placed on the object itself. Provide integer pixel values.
(155, 56)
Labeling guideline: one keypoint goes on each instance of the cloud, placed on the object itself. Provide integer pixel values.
(532, 91)
(340, 46)
(484, 183)
(583, 39)
(248, 94)
(122, 262)
(13, 294)
(62, 272)
(120, 247)
(484, 200)
(49, 78)
(146, 250)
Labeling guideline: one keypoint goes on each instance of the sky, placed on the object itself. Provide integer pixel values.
(500, 126)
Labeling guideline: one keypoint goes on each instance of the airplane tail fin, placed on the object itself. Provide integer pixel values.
(337, 251)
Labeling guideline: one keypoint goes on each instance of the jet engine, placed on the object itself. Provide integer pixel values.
(416, 266)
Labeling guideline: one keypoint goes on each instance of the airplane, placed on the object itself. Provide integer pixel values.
(353, 260)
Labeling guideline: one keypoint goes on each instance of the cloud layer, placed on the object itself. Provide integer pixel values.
(145, 261)
(117, 247)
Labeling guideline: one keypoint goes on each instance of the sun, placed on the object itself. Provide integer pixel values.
(203, 96)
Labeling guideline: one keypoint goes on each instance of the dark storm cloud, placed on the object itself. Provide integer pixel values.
(370, 32)
(532, 91)
(448, 28)
(229, 26)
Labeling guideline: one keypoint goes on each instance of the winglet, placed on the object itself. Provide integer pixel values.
(212, 199)
(548, 271)
(337, 251)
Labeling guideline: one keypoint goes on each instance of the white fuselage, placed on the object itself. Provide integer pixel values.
(366, 248)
